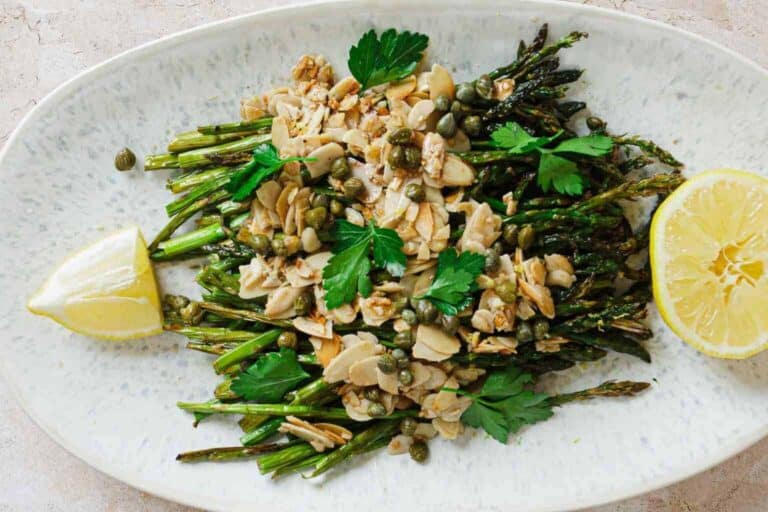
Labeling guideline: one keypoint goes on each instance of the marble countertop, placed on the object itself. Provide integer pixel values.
(44, 43)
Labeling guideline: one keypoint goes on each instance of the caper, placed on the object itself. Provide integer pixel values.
(409, 316)
(376, 410)
(396, 157)
(321, 200)
(408, 426)
(340, 168)
(412, 157)
(492, 261)
(399, 303)
(415, 192)
(316, 217)
(426, 312)
(400, 136)
(403, 340)
(442, 103)
(459, 110)
(401, 357)
(301, 305)
(125, 160)
(174, 302)
(595, 123)
(381, 276)
(405, 377)
(278, 247)
(192, 313)
(292, 245)
(540, 328)
(450, 323)
(287, 339)
(465, 93)
(509, 235)
(484, 87)
(524, 333)
(387, 364)
(498, 247)
(472, 126)
(507, 291)
(525, 237)
(259, 243)
(419, 451)
(446, 126)
(337, 208)
(373, 394)
(353, 187)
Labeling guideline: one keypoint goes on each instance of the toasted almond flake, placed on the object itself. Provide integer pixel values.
(551, 344)
(524, 309)
(280, 302)
(467, 376)
(456, 172)
(560, 278)
(448, 429)
(338, 369)
(340, 431)
(503, 88)
(354, 216)
(400, 90)
(422, 81)
(356, 140)
(363, 372)
(327, 349)
(324, 157)
(319, 441)
(377, 310)
(283, 204)
(459, 142)
(364, 172)
(347, 85)
(422, 351)
(437, 378)
(425, 431)
(540, 296)
(355, 406)
(317, 327)
(419, 114)
(349, 102)
(534, 270)
(437, 340)
(482, 320)
(268, 192)
(440, 82)
(252, 109)
(399, 444)
(280, 132)
(387, 381)
(309, 240)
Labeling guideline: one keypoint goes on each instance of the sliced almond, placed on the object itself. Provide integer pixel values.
(347, 85)
(324, 157)
(419, 114)
(400, 90)
(448, 429)
(363, 372)
(387, 381)
(319, 328)
(440, 82)
(338, 369)
(437, 339)
(328, 349)
(280, 132)
(456, 173)
(399, 444)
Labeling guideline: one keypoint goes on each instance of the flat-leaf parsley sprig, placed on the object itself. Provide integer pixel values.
(264, 163)
(373, 61)
(554, 170)
(451, 289)
(347, 272)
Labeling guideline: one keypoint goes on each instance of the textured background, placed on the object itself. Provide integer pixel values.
(45, 43)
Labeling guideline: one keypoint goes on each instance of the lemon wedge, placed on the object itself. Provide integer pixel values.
(107, 290)
(709, 256)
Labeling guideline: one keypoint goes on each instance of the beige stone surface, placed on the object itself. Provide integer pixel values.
(43, 43)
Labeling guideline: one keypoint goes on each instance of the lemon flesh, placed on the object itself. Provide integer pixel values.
(709, 256)
(107, 290)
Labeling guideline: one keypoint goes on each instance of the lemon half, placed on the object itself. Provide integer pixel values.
(709, 256)
(107, 290)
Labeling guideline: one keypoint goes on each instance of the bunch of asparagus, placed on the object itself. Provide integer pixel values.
(591, 230)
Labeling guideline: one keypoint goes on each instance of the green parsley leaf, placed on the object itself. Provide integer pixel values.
(376, 61)
(591, 145)
(347, 272)
(264, 163)
(554, 171)
(559, 172)
(454, 280)
(270, 377)
(503, 406)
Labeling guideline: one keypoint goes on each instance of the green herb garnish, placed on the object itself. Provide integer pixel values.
(375, 61)
(554, 170)
(451, 289)
(347, 272)
(503, 405)
(264, 163)
(270, 377)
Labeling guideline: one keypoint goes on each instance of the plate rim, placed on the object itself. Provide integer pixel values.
(154, 488)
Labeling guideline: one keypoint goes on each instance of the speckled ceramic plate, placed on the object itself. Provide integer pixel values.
(112, 404)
